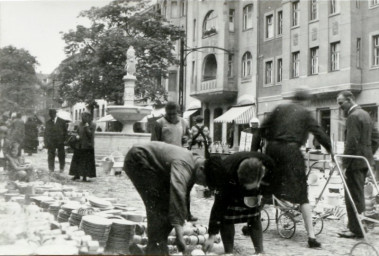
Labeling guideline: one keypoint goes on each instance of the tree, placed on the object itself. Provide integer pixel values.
(18, 80)
(96, 58)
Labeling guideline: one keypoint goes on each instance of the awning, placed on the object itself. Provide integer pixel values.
(240, 115)
(107, 118)
(188, 113)
(64, 115)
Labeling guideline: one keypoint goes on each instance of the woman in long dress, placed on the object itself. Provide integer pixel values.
(83, 160)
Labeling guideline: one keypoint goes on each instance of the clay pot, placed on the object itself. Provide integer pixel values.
(201, 239)
(202, 230)
(193, 240)
(171, 240)
(197, 252)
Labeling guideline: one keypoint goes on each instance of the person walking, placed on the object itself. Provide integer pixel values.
(31, 136)
(83, 160)
(286, 130)
(17, 131)
(162, 174)
(199, 136)
(54, 138)
(361, 139)
(173, 129)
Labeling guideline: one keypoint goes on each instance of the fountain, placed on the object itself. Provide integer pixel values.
(128, 113)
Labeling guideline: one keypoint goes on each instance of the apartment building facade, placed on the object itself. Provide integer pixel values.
(253, 55)
(327, 47)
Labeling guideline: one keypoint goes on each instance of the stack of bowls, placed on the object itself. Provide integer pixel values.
(97, 227)
(121, 236)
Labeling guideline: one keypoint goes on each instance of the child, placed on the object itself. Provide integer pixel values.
(18, 169)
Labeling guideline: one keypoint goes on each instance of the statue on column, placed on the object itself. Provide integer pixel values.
(131, 62)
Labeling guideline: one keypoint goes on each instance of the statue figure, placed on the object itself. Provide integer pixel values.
(130, 66)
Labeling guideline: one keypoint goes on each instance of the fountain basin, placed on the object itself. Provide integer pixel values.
(128, 115)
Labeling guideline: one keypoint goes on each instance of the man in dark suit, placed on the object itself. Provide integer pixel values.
(55, 136)
(361, 139)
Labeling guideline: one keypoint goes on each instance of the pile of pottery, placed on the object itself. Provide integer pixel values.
(120, 236)
(194, 237)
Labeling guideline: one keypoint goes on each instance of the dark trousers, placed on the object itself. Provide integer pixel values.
(155, 193)
(355, 182)
(51, 156)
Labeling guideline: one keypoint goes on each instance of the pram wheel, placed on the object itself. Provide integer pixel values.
(286, 225)
(363, 249)
(265, 219)
(318, 224)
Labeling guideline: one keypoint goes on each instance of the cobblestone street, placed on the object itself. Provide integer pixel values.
(121, 188)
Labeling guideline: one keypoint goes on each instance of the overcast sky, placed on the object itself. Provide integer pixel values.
(35, 26)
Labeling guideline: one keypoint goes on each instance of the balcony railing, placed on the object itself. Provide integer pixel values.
(208, 85)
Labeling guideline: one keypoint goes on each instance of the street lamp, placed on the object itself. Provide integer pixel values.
(182, 64)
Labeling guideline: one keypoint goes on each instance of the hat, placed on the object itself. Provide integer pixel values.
(199, 119)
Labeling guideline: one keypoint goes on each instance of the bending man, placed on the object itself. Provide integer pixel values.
(162, 174)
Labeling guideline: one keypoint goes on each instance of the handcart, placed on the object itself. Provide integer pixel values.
(287, 214)
(364, 247)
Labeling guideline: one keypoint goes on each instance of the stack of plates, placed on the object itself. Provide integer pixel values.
(121, 236)
(54, 209)
(63, 216)
(134, 216)
(100, 203)
(46, 204)
(75, 218)
(97, 227)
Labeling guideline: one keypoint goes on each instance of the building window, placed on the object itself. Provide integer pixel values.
(193, 73)
(194, 30)
(334, 6)
(295, 13)
(246, 64)
(268, 72)
(295, 64)
(183, 8)
(231, 20)
(357, 4)
(280, 23)
(279, 71)
(209, 25)
(174, 9)
(335, 56)
(314, 9)
(358, 54)
(230, 65)
(314, 61)
(269, 26)
(375, 43)
(374, 2)
(247, 17)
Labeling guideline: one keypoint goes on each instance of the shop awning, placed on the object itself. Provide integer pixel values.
(240, 115)
(188, 113)
(107, 118)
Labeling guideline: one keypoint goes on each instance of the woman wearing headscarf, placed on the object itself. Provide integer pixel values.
(83, 160)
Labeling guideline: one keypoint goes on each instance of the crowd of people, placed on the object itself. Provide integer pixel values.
(165, 170)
